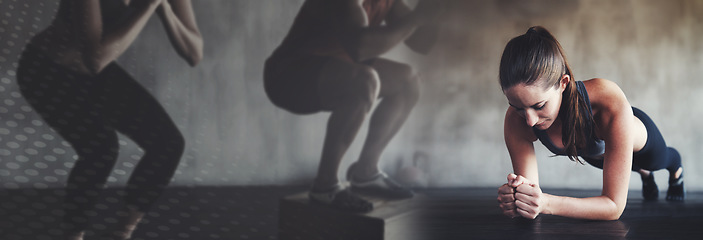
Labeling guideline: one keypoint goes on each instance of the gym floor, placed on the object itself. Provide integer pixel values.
(252, 213)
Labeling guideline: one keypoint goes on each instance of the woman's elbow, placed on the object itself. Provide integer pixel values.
(616, 215)
(96, 59)
(613, 216)
(357, 50)
(194, 59)
(360, 55)
(615, 212)
(196, 55)
(95, 65)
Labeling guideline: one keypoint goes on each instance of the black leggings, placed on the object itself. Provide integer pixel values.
(88, 111)
(655, 155)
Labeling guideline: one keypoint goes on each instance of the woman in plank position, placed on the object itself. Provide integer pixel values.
(590, 119)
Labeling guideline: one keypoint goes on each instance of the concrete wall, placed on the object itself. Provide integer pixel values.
(235, 136)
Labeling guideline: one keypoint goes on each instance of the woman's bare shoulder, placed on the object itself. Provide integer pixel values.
(603, 91)
(606, 97)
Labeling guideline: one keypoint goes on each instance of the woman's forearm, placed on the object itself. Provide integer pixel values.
(179, 22)
(594, 208)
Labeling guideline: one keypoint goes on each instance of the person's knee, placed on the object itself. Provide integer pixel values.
(165, 145)
(366, 86)
(175, 144)
(410, 83)
(173, 147)
(178, 144)
(674, 159)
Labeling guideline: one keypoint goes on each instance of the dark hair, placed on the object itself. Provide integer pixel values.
(537, 55)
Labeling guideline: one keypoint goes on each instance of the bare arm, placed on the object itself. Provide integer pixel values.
(616, 126)
(363, 41)
(179, 21)
(519, 140)
(99, 46)
(425, 36)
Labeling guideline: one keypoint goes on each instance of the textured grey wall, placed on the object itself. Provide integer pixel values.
(235, 136)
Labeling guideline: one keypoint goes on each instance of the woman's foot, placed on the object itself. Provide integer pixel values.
(71, 231)
(126, 224)
(650, 191)
(340, 198)
(676, 190)
(378, 185)
(75, 236)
